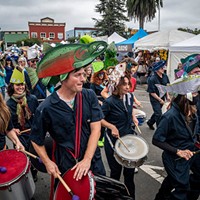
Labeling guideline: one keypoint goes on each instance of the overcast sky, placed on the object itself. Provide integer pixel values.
(15, 14)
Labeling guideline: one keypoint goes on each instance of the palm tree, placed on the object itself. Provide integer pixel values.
(142, 10)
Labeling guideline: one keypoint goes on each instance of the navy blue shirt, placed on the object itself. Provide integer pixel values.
(32, 104)
(119, 113)
(173, 130)
(155, 79)
(56, 117)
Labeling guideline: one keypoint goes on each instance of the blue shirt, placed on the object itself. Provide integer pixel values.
(56, 117)
(174, 130)
(2, 78)
(119, 113)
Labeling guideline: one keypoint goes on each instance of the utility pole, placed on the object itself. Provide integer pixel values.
(158, 17)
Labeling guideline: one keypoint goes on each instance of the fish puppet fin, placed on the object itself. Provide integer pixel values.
(162, 90)
(33, 76)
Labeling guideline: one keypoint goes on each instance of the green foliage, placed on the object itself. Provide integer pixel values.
(143, 10)
(28, 42)
(110, 56)
(196, 31)
(112, 17)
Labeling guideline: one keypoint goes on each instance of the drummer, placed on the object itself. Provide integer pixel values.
(177, 135)
(118, 111)
(75, 136)
(6, 127)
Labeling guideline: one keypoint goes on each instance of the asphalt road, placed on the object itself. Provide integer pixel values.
(150, 174)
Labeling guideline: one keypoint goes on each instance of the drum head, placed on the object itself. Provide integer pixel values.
(48, 146)
(16, 164)
(81, 188)
(137, 146)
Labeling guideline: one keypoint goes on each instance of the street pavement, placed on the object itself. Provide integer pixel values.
(150, 174)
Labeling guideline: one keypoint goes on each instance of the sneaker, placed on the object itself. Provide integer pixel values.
(136, 170)
(101, 142)
(150, 126)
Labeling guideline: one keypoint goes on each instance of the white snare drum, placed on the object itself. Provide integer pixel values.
(138, 148)
(16, 182)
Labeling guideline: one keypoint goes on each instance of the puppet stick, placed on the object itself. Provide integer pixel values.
(123, 144)
(24, 131)
(74, 197)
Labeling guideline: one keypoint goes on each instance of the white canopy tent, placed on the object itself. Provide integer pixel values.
(116, 38)
(161, 40)
(181, 50)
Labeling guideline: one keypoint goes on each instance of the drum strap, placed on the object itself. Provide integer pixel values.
(78, 127)
(110, 142)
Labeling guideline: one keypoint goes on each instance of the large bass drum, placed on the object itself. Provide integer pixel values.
(137, 154)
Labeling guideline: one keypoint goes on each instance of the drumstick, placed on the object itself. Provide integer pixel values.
(24, 131)
(123, 144)
(32, 155)
(138, 128)
(74, 197)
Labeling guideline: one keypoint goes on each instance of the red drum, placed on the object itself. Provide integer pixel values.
(16, 181)
(92, 187)
(83, 188)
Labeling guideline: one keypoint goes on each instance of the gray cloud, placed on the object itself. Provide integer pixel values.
(15, 14)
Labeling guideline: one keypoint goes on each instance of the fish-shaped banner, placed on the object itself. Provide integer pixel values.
(183, 85)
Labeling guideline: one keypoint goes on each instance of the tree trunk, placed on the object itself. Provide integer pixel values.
(141, 22)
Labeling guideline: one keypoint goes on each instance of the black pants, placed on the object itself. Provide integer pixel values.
(116, 170)
(157, 112)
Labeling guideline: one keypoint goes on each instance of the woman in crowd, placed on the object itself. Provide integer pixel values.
(6, 127)
(118, 111)
(176, 135)
(88, 71)
(2, 80)
(9, 69)
(22, 106)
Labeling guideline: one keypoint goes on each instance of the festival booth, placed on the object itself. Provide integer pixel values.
(181, 50)
(158, 43)
(127, 45)
(116, 38)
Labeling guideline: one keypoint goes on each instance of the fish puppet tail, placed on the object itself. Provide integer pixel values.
(162, 89)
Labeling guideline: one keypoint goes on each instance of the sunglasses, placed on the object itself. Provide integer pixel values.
(34, 61)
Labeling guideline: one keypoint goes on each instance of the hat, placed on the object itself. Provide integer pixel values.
(190, 62)
(8, 58)
(17, 77)
(183, 85)
(68, 57)
(32, 54)
(86, 39)
(157, 65)
(97, 66)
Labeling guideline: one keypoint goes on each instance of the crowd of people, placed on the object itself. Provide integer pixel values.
(91, 106)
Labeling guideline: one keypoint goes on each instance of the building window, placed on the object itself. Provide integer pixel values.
(60, 36)
(51, 36)
(42, 35)
(33, 35)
